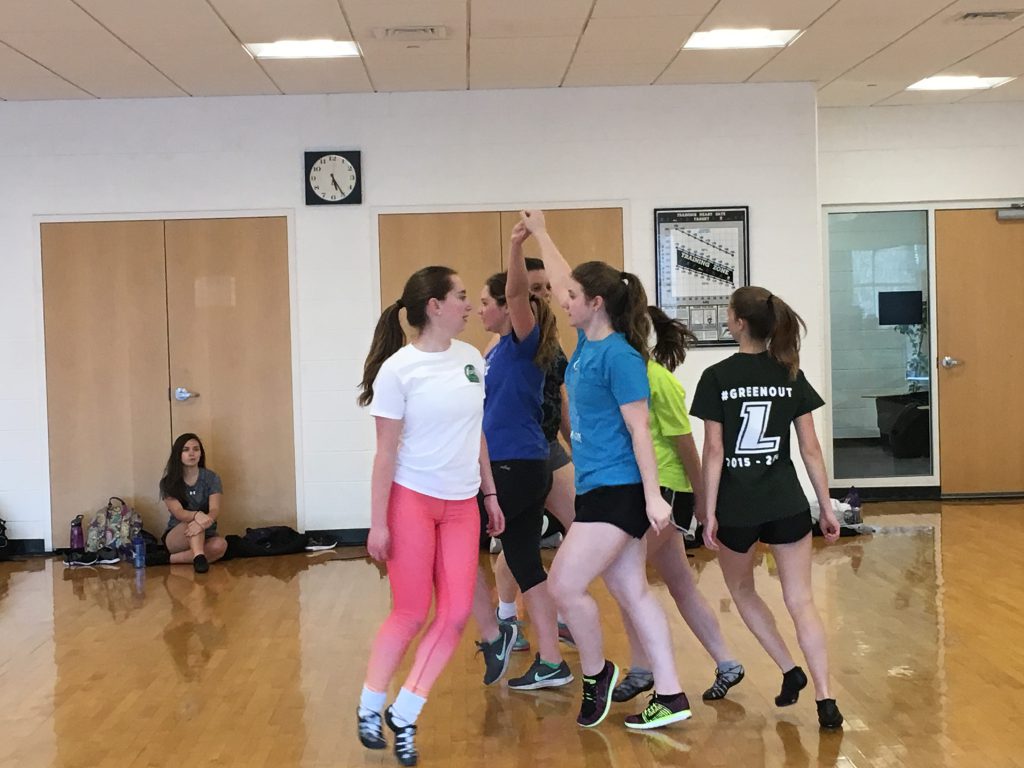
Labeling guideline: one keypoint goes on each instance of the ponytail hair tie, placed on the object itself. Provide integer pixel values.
(399, 304)
(770, 297)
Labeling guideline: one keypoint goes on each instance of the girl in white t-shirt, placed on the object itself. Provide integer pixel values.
(427, 399)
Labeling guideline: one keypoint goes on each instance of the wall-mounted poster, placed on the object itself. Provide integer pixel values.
(701, 258)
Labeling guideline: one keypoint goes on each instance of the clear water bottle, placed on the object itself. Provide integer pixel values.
(138, 551)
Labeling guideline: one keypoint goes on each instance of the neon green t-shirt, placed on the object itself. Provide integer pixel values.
(669, 420)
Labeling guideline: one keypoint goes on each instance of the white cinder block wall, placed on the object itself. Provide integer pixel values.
(641, 147)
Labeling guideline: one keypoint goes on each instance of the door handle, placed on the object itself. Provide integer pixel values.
(950, 362)
(181, 394)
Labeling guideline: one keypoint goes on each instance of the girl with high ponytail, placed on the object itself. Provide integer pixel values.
(749, 402)
(427, 399)
(618, 495)
(681, 486)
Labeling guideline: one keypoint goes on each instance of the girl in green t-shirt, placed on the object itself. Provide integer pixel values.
(681, 485)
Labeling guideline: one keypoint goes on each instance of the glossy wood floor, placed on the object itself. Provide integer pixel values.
(259, 663)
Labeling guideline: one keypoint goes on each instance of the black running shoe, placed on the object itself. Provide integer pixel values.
(829, 715)
(661, 711)
(200, 564)
(107, 556)
(793, 682)
(77, 558)
(541, 675)
(320, 543)
(724, 680)
(371, 729)
(498, 654)
(632, 685)
(405, 740)
(597, 698)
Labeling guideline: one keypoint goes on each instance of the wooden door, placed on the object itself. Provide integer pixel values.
(466, 242)
(979, 277)
(581, 234)
(229, 327)
(105, 323)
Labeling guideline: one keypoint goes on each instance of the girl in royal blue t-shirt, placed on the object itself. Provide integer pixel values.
(618, 494)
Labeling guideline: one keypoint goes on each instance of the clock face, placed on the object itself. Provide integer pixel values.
(333, 177)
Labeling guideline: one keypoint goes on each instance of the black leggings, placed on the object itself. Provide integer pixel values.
(522, 487)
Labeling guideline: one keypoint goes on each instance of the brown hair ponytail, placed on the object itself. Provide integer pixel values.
(388, 337)
(672, 339)
(625, 300)
(772, 320)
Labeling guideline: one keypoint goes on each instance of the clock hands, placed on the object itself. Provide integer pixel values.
(334, 183)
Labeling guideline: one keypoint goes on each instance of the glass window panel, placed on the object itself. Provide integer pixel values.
(881, 374)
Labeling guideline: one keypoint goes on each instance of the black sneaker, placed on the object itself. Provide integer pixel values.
(320, 543)
(107, 556)
(521, 643)
(541, 675)
(158, 557)
(597, 698)
(829, 715)
(498, 654)
(76, 558)
(724, 680)
(632, 685)
(371, 729)
(793, 682)
(200, 564)
(661, 711)
(405, 740)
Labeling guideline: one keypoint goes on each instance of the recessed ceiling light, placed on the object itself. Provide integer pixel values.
(742, 38)
(303, 49)
(958, 83)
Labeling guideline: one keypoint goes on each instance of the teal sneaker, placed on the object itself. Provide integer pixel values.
(522, 643)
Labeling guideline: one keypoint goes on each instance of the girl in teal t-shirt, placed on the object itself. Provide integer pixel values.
(680, 478)
(618, 496)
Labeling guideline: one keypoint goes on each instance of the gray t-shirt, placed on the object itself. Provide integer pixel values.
(198, 496)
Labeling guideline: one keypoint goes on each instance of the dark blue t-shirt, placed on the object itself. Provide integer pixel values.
(602, 376)
(515, 389)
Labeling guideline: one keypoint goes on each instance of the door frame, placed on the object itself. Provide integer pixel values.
(930, 207)
(293, 310)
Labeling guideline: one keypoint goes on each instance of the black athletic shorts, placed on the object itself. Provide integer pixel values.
(784, 531)
(623, 506)
(557, 456)
(682, 507)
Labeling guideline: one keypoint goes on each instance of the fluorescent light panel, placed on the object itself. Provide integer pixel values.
(958, 83)
(718, 39)
(303, 49)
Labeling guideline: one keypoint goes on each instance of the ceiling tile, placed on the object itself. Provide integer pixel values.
(65, 39)
(23, 79)
(187, 42)
(715, 66)
(319, 75)
(529, 63)
(528, 18)
(264, 21)
(628, 9)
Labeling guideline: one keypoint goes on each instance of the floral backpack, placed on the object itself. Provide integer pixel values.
(114, 526)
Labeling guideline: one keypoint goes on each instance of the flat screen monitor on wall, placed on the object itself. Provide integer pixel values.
(900, 307)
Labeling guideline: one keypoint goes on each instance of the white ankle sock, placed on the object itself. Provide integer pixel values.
(371, 701)
(506, 610)
(407, 708)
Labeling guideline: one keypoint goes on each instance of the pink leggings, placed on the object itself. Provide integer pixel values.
(434, 547)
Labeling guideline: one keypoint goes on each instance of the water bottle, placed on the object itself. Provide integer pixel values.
(77, 536)
(139, 551)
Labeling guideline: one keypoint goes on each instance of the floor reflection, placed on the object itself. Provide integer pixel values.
(259, 663)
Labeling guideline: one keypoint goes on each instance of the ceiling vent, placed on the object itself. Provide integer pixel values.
(421, 34)
(988, 17)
